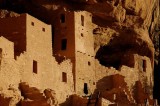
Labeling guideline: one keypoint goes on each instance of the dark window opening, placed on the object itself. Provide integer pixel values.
(64, 77)
(89, 63)
(64, 44)
(82, 20)
(35, 66)
(85, 90)
(144, 65)
(94, 83)
(62, 18)
(81, 34)
(43, 29)
(32, 23)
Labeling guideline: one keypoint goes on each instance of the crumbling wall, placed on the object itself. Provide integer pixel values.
(131, 75)
(13, 72)
(34, 65)
(122, 16)
(84, 32)
(143, 64)
(84, 52)
(7, 48)
(48, 72)
(85, 73)
(10, 96)
(63, 94)
(9, 73)
(79, 44)
(51, 77)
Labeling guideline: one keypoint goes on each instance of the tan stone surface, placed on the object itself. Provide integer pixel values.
(79, 46)
(116, 23)
(9, 97)
(49, 72)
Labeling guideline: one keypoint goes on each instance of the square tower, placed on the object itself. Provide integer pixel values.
(73, 38)
(28, 34)
(32, 38)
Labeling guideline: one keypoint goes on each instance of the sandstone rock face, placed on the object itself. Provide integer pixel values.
(5, 13)
(27, 96)
(33, 97)
(51, 97)
(123, 30)
(9, 97)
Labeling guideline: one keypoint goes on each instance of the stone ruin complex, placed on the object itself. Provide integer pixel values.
(61, 64)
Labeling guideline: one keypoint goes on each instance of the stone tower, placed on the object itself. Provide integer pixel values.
(73, 38)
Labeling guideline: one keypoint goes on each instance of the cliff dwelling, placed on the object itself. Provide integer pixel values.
(79, 53)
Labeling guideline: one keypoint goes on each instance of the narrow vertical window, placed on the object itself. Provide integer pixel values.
(81, 34)
(85, 90)
(89, 63)
(64, 77)
(62, 18)
(82, 20)
(64, 44)
(144, 65)
(32, 23)
(35, 66)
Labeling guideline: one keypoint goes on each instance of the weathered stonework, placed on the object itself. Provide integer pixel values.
(79, 46)
(48, 73)
(76, 54)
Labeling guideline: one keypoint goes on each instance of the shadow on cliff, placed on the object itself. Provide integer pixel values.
(128, 41)
(156, 88)
(68, 101)
(106, 83)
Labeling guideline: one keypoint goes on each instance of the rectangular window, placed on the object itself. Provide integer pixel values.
(144, 65)
(35, 66)
(85, 89)
(64, 44)
(64, 77)
(82, 35)
(62, 18)
(32, 23)
(43, 29)
(82, 20)
(89, 63)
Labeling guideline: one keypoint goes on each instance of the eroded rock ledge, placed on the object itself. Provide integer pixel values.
(27, 96)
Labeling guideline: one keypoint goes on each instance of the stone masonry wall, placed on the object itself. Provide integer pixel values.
(47, 74)
(85, 73)
(84, 32)
(131, 75)
(64, 30)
